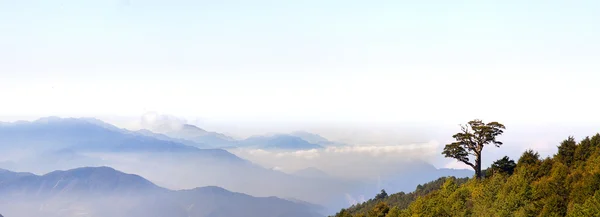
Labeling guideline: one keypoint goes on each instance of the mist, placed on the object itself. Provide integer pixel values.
(331, 177)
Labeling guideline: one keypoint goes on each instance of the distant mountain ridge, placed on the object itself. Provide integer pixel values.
(64, 143)
(315, 138)
(58, 133)
(164, 137)
(92, 189)
(85, 134)
(187, 133)
(278, 141)
(195, 134)
(88, 180)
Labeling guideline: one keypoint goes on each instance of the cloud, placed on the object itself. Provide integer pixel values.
(353, 201)
(161, 122)
(457, 165)
(346, 161)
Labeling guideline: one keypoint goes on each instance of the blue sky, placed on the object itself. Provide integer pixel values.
(386, 61)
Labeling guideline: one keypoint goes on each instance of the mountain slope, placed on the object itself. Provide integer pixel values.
(101, 191)
(87, 180)
(229, 204)
(400, 200)
(198, 135)
(567, 184)
(72, 133)
(60, 144)
(163, 137)
(315, 139)
(6, 175)
(279, 141)
(82, 135)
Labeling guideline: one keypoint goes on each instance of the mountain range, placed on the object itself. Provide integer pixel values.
(80, 134)
(199, 135)
(315, 139)
(50, 144)
(104, 191)
(277, 142)
(194, 136)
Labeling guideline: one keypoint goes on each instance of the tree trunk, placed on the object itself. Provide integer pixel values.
(478, 166)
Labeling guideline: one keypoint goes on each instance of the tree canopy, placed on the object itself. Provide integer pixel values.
(567, 184)
(381, 195)
(474, 136)
(504, 165)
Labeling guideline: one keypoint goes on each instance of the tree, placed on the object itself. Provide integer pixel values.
(380, 210)
(566, 151)
(504, 165)
(381, 195)
(529, 157)
(471, 140)
(343, 213)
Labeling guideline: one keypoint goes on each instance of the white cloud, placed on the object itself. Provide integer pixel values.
(457, 165)
(161, 122)
(354, 200)
(346, 161)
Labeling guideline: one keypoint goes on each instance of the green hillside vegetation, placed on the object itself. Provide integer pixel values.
(567, 184)
(399, 200)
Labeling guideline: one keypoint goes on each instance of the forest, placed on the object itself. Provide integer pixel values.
(565, 184)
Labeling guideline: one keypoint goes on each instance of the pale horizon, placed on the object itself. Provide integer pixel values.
(267, 61)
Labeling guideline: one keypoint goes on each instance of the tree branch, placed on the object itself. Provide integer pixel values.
(468, 163)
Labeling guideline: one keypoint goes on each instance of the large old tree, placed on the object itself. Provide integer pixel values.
(471, 140)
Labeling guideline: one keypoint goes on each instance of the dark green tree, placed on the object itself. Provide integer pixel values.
(471, 140)
(583, 150)
(381, 195)
(566, 151)
(504, 165)
(529, 157)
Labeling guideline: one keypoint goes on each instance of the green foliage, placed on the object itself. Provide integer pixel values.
(400, 200)
(382, 195)
(471, 140)
(591, 207)
(380, 210)
(529, 157)
(504, 165)
(394, 212)
(567, 184)
(343, 213)
(566, 151)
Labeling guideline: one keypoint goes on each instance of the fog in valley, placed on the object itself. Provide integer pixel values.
(324, 175)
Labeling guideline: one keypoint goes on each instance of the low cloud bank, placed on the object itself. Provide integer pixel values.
(346, 161)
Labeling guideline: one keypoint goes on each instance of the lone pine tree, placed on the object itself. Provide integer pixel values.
(470, 141)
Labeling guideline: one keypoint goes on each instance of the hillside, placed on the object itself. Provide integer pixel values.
(198, 135)
(50, 144)
(279, 141)
(567, 184)
(400, 200)
(52, 133)
(103, 191)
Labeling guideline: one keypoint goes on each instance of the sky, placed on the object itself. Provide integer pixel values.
(257, 66)
(303, 61)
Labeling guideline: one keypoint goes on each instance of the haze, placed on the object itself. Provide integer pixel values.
(327, 101)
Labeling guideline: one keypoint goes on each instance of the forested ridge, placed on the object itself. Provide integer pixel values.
(566, 184)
